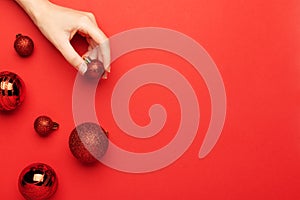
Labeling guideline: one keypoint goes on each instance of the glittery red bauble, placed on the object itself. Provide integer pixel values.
(38, 181)
(44, 125)
(23, 45)
(88, 142)
(12, 91)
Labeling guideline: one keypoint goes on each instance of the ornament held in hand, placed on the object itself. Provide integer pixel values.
(95, 68)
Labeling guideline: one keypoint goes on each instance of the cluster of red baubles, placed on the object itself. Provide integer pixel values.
(88, 142)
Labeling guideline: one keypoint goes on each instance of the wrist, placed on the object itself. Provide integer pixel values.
(34, 8)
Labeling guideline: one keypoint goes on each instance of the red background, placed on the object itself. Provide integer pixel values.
(254, 43)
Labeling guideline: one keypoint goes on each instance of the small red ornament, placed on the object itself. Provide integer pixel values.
(23, 45)
(95, 68)
(38, 181)
(44, 125)
(12, 91)
(88, 142)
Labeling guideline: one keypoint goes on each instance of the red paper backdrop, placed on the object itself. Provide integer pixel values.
(255, 45)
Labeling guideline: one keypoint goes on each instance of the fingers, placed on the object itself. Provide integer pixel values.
(93, 53)
(91, 42)
(72, 56)
(105, 53)
(95, 37)
(99, 37)
(91, 16)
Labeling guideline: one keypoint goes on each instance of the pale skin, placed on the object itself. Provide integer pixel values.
(59, 24)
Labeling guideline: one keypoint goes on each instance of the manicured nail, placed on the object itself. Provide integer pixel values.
(104, 75)
(82, 68)
(108, 69)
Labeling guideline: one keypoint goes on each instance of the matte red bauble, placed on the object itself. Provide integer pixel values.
(88, 142)
(12, 91)
(38, 181)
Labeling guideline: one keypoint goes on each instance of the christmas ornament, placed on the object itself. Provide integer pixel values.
(44, 125)
(95, 68)
(23, 45)
(88, 142)
(38, 181)
(12, 91)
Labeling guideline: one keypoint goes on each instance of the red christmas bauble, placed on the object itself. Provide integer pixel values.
(23, 45)
(38, 181)
(88, 142)
(44, 125)
(12, 91)
(95, 68)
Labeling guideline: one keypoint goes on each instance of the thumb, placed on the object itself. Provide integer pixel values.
(67, 50)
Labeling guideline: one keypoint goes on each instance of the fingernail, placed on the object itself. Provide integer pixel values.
(104, 75)
(108, 69)
(82, 68)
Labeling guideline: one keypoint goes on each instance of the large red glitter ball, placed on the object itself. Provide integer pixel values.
(12, 91)
(88, 142)
(38, 181)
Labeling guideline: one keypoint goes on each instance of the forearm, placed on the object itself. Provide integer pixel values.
(33, 7)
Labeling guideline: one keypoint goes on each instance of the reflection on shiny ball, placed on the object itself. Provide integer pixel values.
(12, 91)
(38, 181)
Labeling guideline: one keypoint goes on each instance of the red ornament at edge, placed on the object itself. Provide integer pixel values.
(12, 91)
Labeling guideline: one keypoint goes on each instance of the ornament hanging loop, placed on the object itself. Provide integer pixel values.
(87, 59)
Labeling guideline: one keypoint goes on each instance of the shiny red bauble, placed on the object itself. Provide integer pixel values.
(23, 45)
(44, 125)
(12, 91)
(88, 142)
(38, 181)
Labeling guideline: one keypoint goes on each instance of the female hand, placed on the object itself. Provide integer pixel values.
(59, 24)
